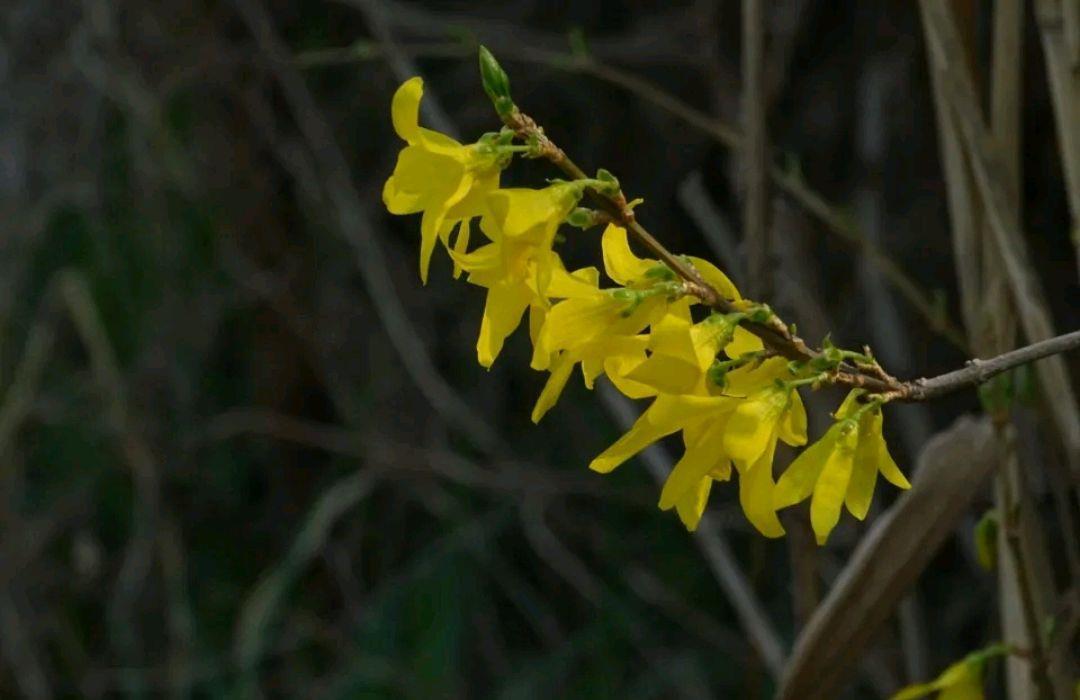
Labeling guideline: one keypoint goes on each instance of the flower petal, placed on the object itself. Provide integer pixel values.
(756, 494)
(502, 314)
(401, 201)
(797, 482)
(792, 428)
(860, 492)
(666, 415)
(742, 342)
(574, 322)
(692, 505)
(620, 263)
(461, 244)
(752, 427)
(405, 109)
(885, 462)
(716, 279)
(704, 452)
(520, 211)
(560, 372)
(833, 482)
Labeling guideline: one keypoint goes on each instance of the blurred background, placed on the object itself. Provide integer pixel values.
(245, 452)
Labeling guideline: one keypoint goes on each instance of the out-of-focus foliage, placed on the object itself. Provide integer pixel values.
(221, 474)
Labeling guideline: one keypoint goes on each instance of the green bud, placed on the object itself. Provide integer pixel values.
(760, 314)
(582, 218)
(660, 272)
(610, 182)
(496, 83)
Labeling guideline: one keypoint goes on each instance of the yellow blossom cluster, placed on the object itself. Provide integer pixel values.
(707, 377)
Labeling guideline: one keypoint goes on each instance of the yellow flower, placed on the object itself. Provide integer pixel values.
(960, 681)
(841, 468)
(774, 411)
(598, 327)
(435, 174)
(518, 267)
(706, 422)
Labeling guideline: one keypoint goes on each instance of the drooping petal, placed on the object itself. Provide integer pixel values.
(886, 464)
(432, 224)
(704, 452)
(502, 314)
(666, 415)
(542, 355)
(461, 244)
(960, 681)
(797, 482)
(849, 405)
(860, 492)
(792, 428)
(405, 109)
(692, 504)
(756, 493)
(833, 482)
(560, 372)
(620, 263)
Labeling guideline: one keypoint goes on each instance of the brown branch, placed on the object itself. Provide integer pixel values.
(773, 333)
(980, 371)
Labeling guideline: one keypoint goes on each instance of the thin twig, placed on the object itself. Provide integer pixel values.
(980, 371)
(755, 149)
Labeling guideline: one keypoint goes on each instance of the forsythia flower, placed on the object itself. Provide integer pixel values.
(841, 468)
(775, 411)
(960, 681)
(677, 374)
(435, 174)
(518, 267)
(598, 329)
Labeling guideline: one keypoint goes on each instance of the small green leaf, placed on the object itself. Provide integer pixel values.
(997, 394)
(986, 531)
(1024, 386)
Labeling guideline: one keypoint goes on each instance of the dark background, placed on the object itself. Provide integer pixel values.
(244, 450)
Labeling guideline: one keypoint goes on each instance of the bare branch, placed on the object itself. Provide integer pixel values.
(981, 371)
